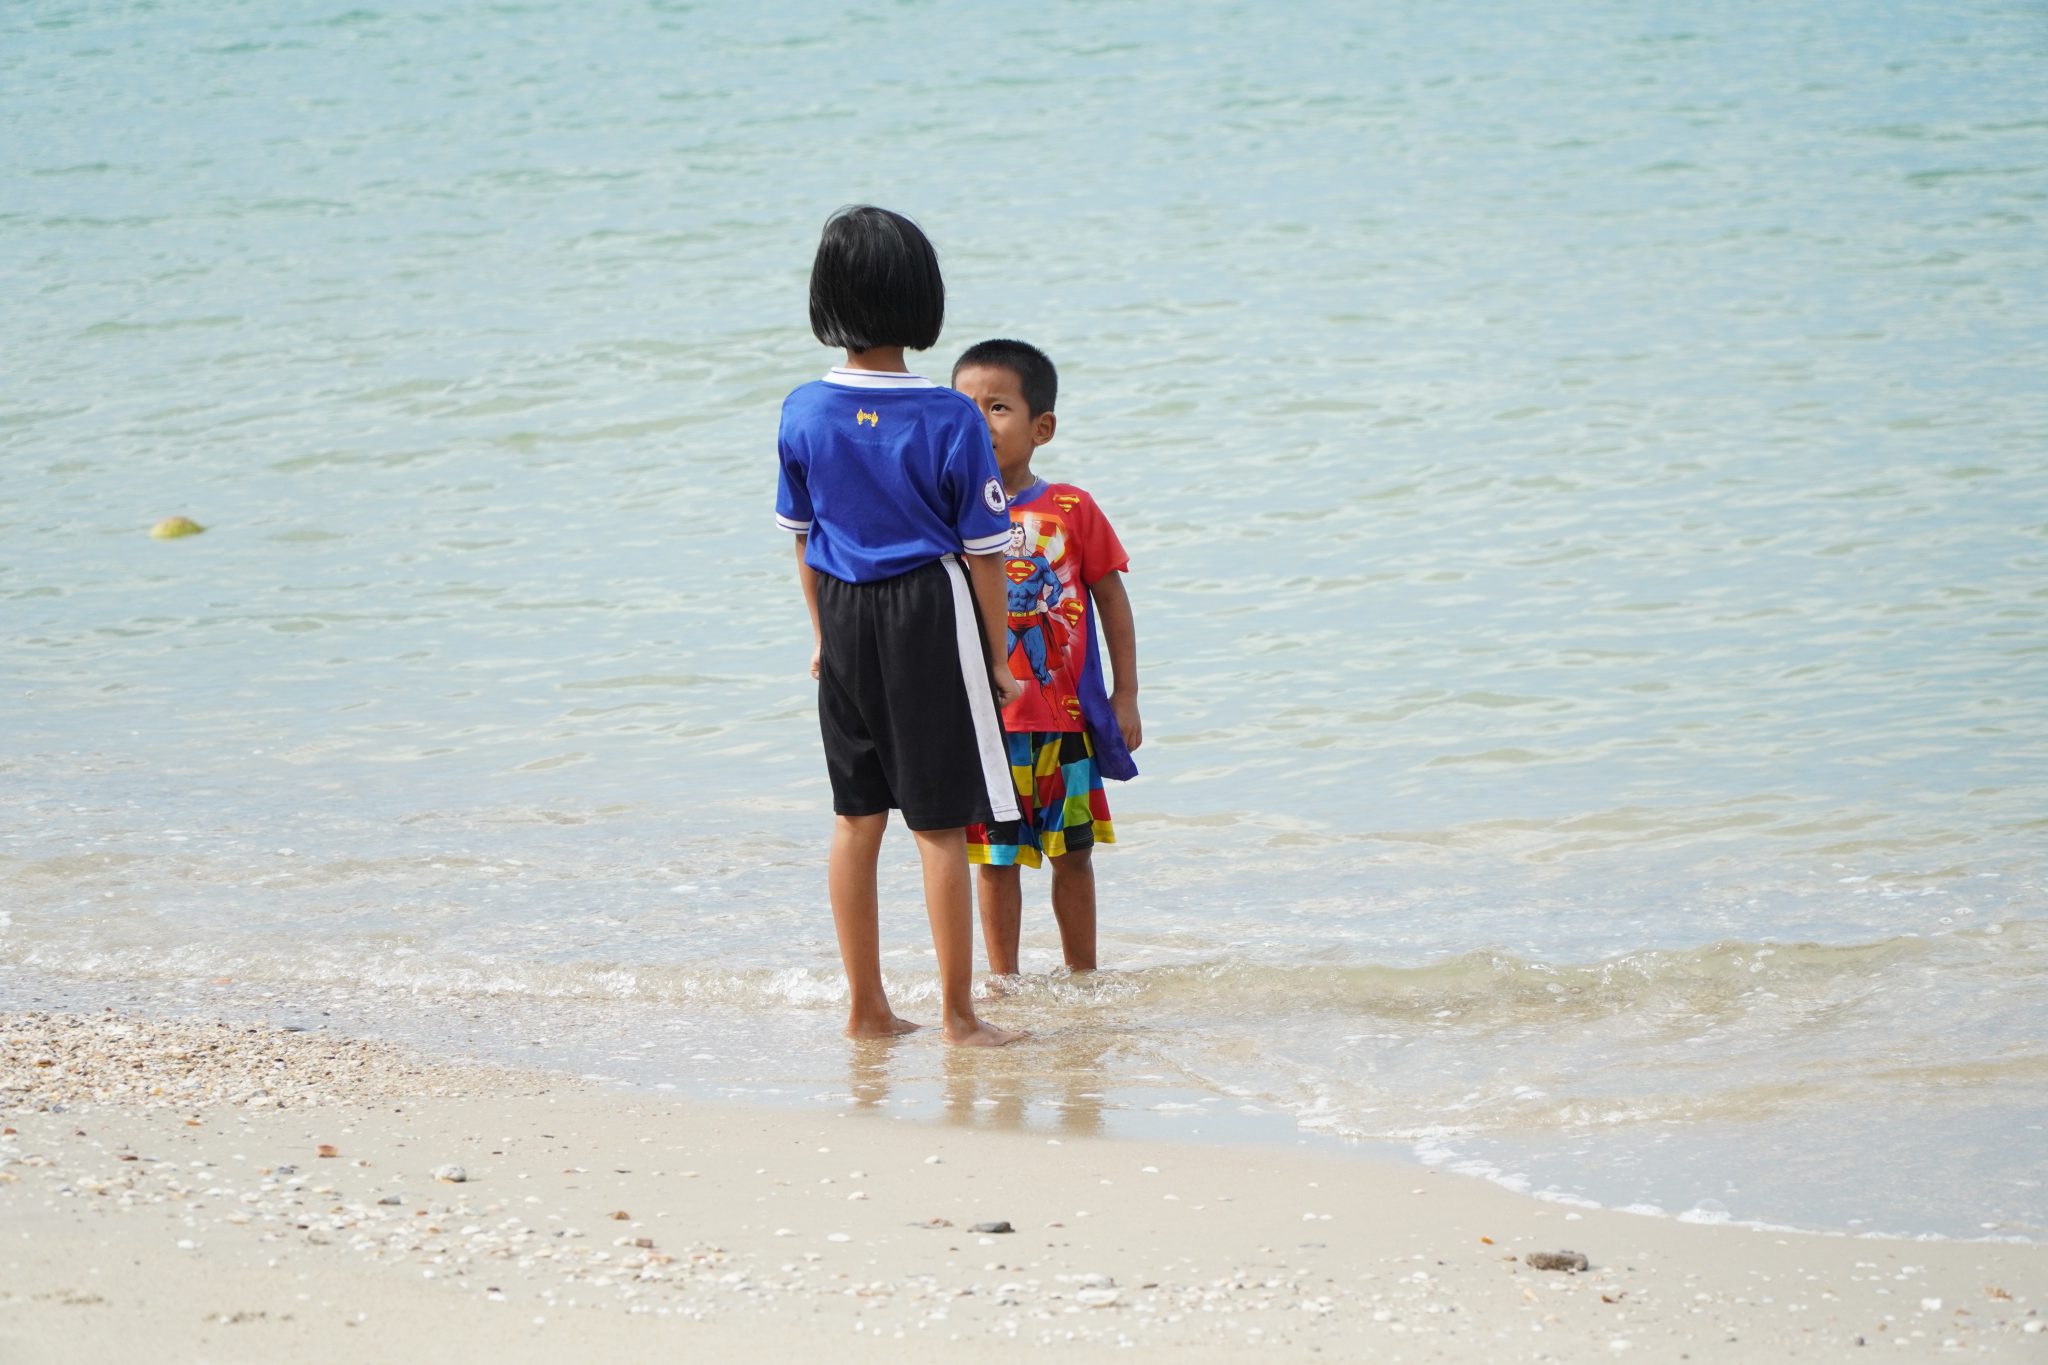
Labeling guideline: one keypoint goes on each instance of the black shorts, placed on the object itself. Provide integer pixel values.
(905, 706)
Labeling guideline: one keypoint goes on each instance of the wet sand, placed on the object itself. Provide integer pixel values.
(185, 1191)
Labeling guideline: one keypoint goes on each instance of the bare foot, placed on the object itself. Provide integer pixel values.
(888, 1026)
(996, 987)
(980, 1034)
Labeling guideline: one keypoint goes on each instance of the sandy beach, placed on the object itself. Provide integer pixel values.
(231, 1192)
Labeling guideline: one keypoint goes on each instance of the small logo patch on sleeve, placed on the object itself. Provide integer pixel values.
(992, 494)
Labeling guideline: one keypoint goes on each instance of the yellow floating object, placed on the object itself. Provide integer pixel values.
(170, 528)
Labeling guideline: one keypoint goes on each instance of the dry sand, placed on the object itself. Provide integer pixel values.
(180, 1191)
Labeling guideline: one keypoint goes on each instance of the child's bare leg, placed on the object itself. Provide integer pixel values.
(943, 853)
(1001, 893)
(1073, 905)
(850, 874)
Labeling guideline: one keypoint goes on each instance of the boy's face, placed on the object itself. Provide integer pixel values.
(1016, 433)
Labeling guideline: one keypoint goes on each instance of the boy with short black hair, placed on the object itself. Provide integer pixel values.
(1067, 731)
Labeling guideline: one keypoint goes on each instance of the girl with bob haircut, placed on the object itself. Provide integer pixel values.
(889, 483)
(876, 283)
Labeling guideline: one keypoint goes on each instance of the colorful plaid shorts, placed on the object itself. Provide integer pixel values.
(1059, 790)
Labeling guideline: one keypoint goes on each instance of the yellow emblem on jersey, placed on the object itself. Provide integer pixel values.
(873, 419)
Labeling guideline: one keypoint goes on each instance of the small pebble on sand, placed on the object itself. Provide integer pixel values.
(1557, 1260)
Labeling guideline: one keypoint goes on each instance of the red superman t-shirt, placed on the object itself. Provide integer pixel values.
(1060, 544)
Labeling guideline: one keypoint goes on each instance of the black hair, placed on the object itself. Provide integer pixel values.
(875, 282)
(1035, 374)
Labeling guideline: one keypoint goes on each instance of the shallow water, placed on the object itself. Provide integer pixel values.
(1586, 491)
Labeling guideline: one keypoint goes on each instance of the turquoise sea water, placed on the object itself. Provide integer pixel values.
(1586, 473)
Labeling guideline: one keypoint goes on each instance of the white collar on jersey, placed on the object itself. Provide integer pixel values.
(876, 379)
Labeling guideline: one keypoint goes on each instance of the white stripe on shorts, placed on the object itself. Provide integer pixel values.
(981, 702)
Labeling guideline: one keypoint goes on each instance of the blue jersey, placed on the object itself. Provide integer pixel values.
(886, 473)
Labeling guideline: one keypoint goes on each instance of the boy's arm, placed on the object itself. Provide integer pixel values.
(1120, 637)
(808, 578)
(992, 596)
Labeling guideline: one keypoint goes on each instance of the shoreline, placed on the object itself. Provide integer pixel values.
(239, 1191)
(1061, 1092)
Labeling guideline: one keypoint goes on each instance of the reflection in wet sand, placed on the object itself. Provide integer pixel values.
(1050, 1084)
(1057, 1083)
